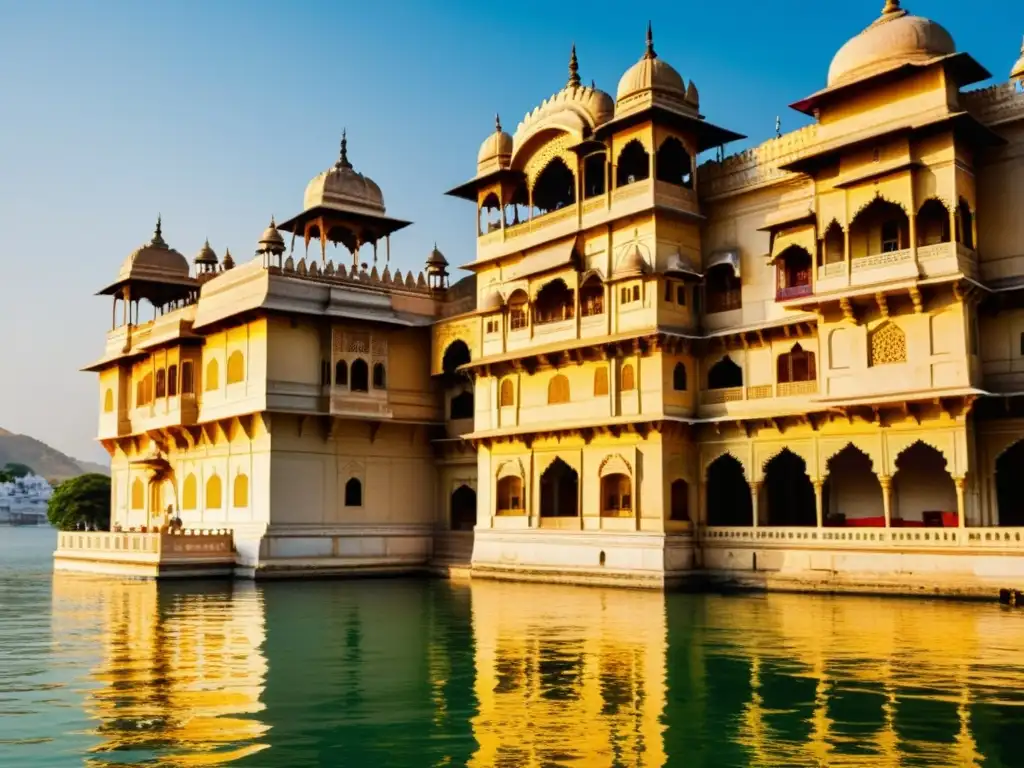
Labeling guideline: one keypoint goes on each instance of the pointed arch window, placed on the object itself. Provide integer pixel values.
(172, 381)
(189, 492)
(558, 390)
(601, 381)
(796, 365)
(679, 378)
(212, 376)
(240, 492)
(161, 383)
(507, 396)
(360, 375)
(353, 492)
(380, 380)
(138, 494)
(341, 374)
(214, 493)
(627, 378)
(634, 164)
(236, 367)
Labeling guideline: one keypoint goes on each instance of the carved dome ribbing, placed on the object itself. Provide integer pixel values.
(893, 39)
(344, 188)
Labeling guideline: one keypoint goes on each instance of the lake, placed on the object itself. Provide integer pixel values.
(107, 672)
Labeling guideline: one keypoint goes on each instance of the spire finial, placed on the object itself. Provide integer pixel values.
(273, 224)
(497, 123)
(158, 233)
(891, 6)
(343, 159)
(649, 53)
(778, 127)
(574, 69)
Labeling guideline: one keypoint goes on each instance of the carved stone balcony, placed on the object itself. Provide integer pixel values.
(367, 405)
(719, 396)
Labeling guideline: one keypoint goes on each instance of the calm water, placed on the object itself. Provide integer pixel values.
(412, 673)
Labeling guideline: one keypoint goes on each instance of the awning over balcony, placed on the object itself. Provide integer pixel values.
(800, 236)
(730, 257)
(542, 260)
(682, 266)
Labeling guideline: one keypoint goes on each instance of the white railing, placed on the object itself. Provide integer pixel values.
(155, 546)
(836, 269)
(936, 251)
(810, 537)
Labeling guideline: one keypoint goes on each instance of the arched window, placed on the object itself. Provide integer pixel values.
(679, 378)
(634, 164)
(463, 509)
(558, 390)
(507, 395)
(108, 401)
(172, 381)
(793, 273)
(189, 492)
(138, 494)
(601, 381)
(673, 164)
(518, 303)
(680, 501)
(964, 224)
(880, 227)
(240, 493)
(723, 289)
(554, 303)
(888, 345)
(379, 376)
(788, 494)
(353, 492)
(188, 386)
(725, 374)
(490, 214)
(616, 494)
(341, 374)
(796, 365)
(592, 297)
(559, 490)
(236, 367)
(360, 375)
(932, 223)
(455, 355)
(593, 175)
(834, 244)
(555, 187)
(212, 376)
(728, 494)
(461, 406)
(161, 383)
(627, 378)
(510, 494)
(214, 493)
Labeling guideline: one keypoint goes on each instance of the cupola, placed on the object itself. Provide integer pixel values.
(437, 270)
(206, 259)
(343, 188)
(271, 244)
(652, 81)
(496, 151)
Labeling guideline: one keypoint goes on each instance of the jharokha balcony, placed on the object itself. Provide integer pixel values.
(159, 552)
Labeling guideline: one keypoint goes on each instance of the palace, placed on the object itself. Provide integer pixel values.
(799, 366)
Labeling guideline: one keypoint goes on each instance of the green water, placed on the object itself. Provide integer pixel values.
(107, 672)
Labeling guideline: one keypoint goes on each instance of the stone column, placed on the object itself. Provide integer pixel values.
(818, 501)
(755, 494)
(886, 482)
(961, 487)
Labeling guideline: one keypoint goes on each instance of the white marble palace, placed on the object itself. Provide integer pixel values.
(799, 366)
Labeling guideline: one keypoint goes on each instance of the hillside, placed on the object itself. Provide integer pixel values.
(46, 461)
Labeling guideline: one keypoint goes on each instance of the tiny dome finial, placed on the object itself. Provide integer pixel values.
(497, 123)
(649, 53)
(574, 69)
(158, 233)
(343, 158)
(891, 6)
(273, 224)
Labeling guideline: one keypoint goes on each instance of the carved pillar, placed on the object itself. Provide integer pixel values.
(818, 487)
(961, 487)
(886, 482)
(755, 494)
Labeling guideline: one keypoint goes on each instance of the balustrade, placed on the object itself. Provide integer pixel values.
(791, 388)
(880, 260)
(793, 292)
(866, 538)
(718, 396)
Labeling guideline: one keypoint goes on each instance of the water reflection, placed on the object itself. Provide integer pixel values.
(180, 670)
(414, 673)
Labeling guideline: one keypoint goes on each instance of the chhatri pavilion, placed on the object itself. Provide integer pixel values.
(799, 366)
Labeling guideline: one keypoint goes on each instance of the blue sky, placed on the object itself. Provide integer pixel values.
(216, 114)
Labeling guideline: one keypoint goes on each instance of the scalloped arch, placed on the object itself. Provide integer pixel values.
(614, 464)
(711, 458)
(837, 448)
(906, 443)
(510, 468)
(803, 452)
(878, 196)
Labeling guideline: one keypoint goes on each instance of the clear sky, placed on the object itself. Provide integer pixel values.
(217, 114)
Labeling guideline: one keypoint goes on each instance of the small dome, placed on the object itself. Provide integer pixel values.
(341, 186)
(652, 79)
(632, 265)
(894, 38)
(271, 240)
(206, 255)
(491, 302)
(229, 262)
(496, 151)
(155, 262)
(436, 259)
(1017, 73)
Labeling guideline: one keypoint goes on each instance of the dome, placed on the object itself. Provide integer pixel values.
(436, 259)
(491, 302)
(894, 38)
(341, 186)
(496, 151)
(652, 79)
(1017, 73)
(229, 261)
(206, 255)
(271, 240)
(576, 109)
(155, 262)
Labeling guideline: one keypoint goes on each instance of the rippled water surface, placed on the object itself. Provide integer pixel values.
(105, 672)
